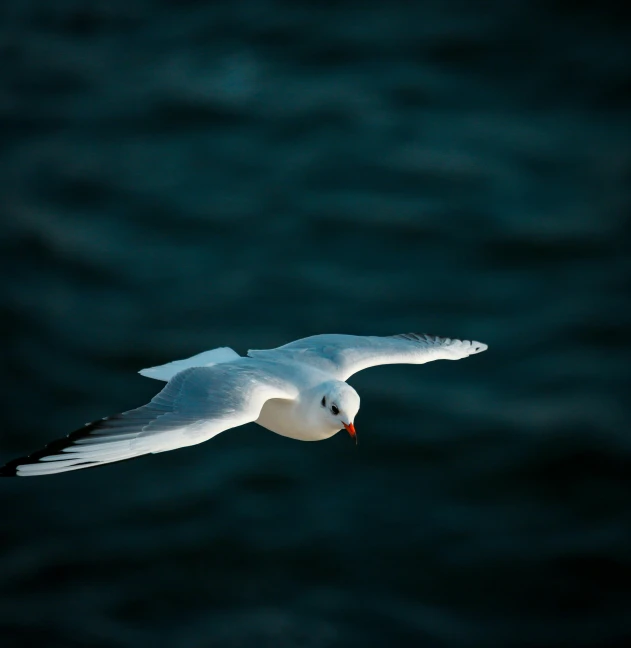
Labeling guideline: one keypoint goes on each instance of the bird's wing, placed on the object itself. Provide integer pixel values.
(197, 404)
(206, 359)
(345, 355)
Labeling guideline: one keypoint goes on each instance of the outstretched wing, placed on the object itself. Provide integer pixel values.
(194, 406)
(345, 355)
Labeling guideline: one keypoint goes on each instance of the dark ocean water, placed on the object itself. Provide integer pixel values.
(178, 176)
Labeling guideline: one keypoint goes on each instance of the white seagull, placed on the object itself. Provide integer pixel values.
(298, 390)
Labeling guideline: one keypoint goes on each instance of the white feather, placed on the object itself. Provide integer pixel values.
(284, 390)
(206, 359)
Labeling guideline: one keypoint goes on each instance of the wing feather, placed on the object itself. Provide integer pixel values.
(206, 359)
(195, 405)
(345, 355)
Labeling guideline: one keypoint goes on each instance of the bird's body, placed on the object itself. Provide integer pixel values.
(293, 418)
(298, 390)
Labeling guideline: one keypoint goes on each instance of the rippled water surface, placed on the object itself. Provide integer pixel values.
(178, 176)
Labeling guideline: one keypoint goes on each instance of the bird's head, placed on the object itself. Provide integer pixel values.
(339, 404)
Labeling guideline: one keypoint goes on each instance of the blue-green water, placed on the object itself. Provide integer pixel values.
(178, 176)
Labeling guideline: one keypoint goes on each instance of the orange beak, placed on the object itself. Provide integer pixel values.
(350, 428)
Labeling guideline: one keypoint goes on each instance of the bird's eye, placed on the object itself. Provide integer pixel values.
(323, 401)
(335, 410)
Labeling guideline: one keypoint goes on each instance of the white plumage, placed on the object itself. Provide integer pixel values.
(298, 390)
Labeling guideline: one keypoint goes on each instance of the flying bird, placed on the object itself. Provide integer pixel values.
(298, 390)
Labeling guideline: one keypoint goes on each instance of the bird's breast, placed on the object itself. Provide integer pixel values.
(287, 419)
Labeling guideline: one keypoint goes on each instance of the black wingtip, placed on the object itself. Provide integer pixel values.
(10, 469)
(422, 337)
